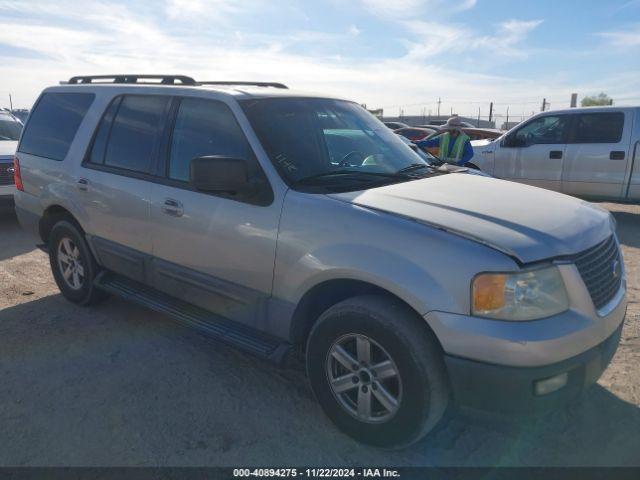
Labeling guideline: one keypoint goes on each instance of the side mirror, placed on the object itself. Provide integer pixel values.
(220, 175)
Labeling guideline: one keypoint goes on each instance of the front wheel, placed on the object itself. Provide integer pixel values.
(377, 371)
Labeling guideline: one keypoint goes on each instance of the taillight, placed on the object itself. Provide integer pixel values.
(17, 178)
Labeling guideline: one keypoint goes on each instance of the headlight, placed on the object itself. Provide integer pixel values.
(519, 296)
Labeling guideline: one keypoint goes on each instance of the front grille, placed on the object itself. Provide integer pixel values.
(601, 270)
(6, 178)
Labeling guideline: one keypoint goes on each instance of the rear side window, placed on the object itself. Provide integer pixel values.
(599, 127)
(102, 134)
(135, 132)
(204, 127)
(53, 124)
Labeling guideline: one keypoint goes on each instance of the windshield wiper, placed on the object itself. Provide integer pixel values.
(334, 173)
(414, 166)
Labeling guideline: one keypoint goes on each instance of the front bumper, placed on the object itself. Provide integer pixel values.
(496, 365)
(534, 343)
(511, 389)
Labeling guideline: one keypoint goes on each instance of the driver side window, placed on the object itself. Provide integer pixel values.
(551, 129)
(204, 127)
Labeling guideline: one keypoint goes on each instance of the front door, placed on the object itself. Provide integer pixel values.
(214, 251)
(597, 155)
(534, 153)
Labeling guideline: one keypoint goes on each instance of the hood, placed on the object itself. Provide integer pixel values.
(8, 148)
(527, 223)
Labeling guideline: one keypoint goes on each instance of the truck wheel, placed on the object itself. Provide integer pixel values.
(73, 265)
(377, 371)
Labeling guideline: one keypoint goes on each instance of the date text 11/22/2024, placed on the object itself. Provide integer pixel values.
(316, 472)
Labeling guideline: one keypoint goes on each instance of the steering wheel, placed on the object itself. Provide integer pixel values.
(345, 160)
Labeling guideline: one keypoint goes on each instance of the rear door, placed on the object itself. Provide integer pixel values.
(534, 153)
(115, 183)
(597, 154)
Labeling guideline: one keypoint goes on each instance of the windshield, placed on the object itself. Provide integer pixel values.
(327, 139)
(9, 128)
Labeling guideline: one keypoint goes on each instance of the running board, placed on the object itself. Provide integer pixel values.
(210, 324)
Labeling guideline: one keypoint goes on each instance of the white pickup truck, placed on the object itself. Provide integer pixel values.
(588, 152)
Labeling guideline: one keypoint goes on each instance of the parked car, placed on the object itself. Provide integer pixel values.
(589, 152)
(415, 133)
(439, 123)
(404, 286)
(10, 128)
(396, 125)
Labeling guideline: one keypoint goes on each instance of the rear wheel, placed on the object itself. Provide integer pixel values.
(377, 371)
(72, 264)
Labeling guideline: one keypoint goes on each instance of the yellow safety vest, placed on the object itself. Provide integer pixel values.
(456, 151)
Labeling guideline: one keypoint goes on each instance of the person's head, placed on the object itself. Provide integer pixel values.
(453, 126)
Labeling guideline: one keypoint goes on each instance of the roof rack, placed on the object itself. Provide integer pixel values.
(255, 84)
(133, 78)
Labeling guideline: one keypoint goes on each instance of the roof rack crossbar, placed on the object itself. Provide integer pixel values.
(255, 84)
(134, 78)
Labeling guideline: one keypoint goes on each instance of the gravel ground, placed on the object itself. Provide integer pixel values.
(120, 385)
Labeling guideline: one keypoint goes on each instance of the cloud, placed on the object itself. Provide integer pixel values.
(435, 38)
(202, 9)
(404, 9)
(623, 38)
(110, 36)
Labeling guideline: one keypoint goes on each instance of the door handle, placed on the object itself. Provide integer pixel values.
(172, 207)
(83, 184)
(616, 155)
(555, 154)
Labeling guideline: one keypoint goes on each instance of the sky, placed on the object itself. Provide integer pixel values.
(402, 55)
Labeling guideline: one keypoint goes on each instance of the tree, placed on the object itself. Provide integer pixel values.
(596, 100)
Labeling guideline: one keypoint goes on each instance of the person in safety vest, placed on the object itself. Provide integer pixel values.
(455, 147)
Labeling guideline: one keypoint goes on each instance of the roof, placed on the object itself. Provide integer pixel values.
(239, 90)
(591, 109)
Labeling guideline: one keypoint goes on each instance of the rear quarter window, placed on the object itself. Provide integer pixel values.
(599, 127)
(53, 124)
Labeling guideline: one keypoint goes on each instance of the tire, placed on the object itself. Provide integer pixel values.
(420, 389)
(69, 252)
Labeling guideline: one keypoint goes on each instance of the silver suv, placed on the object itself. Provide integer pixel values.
(280, 222)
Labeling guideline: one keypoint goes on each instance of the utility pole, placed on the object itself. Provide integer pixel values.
(478, 123)
(507, 122)
(11, 103)
(544, 104)
(439, 102)
(490, 112)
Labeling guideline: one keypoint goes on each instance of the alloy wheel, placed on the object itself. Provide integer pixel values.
(70, 263)
(364, 378)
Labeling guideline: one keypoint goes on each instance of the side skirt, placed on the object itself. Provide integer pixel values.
(210, 324)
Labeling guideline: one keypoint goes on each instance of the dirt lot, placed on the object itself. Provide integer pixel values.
(119, 385)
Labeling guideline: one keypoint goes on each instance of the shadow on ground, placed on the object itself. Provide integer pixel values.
(119, 385)
(13, 241)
